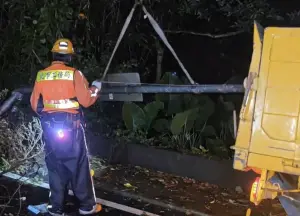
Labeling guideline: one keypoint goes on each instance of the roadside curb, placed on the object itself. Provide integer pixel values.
(220, 173)
(161, 204)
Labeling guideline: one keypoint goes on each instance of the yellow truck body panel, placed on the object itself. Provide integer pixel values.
(269, 128)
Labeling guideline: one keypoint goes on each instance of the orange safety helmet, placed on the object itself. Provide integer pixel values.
(63, 46)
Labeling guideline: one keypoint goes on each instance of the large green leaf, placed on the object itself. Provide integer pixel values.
(206, 109)
(170, 78)
(209, 131)
(207, 106)
(151, 111)
(228, 106)
(191, 101)
(173, 102)
(161, 125)
(217, 147)
(194, 113)
(133, 116)
(183, 120)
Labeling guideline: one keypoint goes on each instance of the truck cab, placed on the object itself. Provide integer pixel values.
(268, 137)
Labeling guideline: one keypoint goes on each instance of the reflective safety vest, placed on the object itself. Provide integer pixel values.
(67, 76)
(46, 75)
(61, 104)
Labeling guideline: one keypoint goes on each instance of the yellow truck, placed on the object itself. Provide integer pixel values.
(268, 137)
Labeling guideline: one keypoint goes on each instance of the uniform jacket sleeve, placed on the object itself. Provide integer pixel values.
(86, 96)
(35, 96)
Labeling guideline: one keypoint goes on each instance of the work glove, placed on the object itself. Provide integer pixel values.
(245, 83)
(97, 84)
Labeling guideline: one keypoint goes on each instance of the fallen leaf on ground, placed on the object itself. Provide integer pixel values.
(128, 185)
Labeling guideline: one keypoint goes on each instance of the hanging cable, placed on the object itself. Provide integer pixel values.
(125, 26)
(157, 29)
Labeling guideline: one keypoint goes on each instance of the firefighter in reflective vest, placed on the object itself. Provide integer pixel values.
(62, 90)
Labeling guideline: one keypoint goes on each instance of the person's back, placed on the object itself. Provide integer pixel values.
(55, 84)
(63, 90)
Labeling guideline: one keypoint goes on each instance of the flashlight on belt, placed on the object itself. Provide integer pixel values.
(60, 133)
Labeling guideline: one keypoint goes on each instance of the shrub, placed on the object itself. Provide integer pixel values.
(20, 144)
(136, 118)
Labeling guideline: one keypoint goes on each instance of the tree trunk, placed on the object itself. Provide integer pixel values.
(159, 59)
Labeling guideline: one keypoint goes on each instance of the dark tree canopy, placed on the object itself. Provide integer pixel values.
(29, 29)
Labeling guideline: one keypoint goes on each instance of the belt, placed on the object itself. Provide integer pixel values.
(61, 104)
(62, 118)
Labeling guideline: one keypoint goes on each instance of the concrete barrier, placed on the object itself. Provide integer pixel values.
(201, 168)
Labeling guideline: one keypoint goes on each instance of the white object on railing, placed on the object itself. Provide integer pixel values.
(234, 124)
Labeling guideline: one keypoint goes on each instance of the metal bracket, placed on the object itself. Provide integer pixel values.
(139, 2)
(265, 189)
(297, 156)
(291, 163)
(248, 86)
(240, 158)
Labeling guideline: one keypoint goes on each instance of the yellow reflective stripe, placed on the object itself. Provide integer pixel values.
(55, 75)
(61, 104)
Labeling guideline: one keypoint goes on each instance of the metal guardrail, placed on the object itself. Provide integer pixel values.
(143, 88)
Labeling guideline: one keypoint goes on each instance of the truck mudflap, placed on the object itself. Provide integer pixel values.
(290, 201)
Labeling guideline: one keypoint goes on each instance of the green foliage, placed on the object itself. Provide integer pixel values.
(184, 120)
(192, 111)
(185, 129)
(187, 141)
(187, 111)
(136, 118)
(209, 131)
(133, 116)
(3, 94)
(173, 102)
(161, 125)
(225, 117)
(217, 147)
(29, 29)
(240, 14)
(33, 27)
(151, 111)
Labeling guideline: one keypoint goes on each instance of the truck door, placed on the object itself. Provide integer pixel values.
(276, 128)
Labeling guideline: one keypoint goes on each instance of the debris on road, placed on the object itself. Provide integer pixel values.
(184, 192)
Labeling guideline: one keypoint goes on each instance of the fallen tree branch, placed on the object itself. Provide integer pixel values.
(16, 165)
(215, 36)
(6, 206)
(10, 199)
(20, 145)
